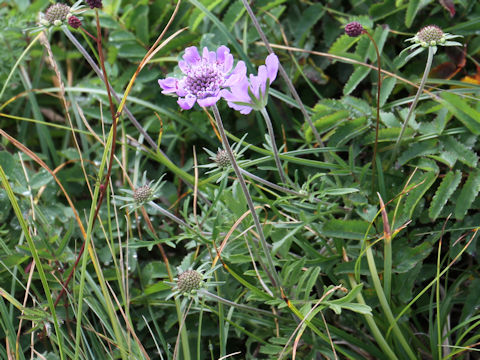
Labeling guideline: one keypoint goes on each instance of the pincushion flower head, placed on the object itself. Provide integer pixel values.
(252, 93)
(60, 14)
(190, 281)
(430, 36)
(204, 77)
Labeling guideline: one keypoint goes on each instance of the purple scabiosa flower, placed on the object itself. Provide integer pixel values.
(252, 94)
(205, 77)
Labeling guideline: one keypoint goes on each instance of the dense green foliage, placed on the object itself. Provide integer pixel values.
(356, 279)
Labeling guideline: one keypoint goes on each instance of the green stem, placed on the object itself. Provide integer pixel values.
(183, 332)
(377, 334)
(428, 65)
(387, 268)
(274, 276)
(281, 172)
(437, 294)
(384, 304)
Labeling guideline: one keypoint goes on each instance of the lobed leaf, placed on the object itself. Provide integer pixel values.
(468, 194)
(448, 185)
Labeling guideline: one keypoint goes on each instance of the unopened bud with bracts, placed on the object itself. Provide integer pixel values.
(74, 22)
(189, 281)
(94, 4)
(222, 160)
(142, 194)
(354, 29)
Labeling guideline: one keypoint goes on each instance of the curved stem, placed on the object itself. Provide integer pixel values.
(377, 334)
(428, 65)
(375, 147)
(281, 172)
(273, 276)
(283, 73)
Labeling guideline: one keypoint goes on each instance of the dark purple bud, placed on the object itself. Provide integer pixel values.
(74, 22)
(354, 29)
(94, 4)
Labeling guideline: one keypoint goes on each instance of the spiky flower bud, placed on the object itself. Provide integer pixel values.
(57, 13)
(189, 280)
(430, 35)
(222, 160)
(94, 4)
(74, 22)
(142, 194)
(354, 29)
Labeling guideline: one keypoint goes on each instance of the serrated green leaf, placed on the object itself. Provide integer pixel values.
(388, 135)
(342, 44)
(412, 10)
(464, 154)
(325, 123)
(357, 107)
(446, 157)
(449, 183)
(418, 149)
(348, 130)
(467, 195)
(387, 86)
(357, 76)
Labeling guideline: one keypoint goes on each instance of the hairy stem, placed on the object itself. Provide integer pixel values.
(281, 171)
(428, 65)
(273, 273)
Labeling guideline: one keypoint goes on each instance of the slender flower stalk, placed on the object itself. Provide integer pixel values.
(429, 37)
(273, 273)
(281, 171)
(252, 94)
(284, 75)
(428, 65)
(205, 78)
(355, 29)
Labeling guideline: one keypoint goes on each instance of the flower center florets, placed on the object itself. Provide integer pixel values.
(57, 12)
(204, 80)
(189, 280)
(431, 35)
